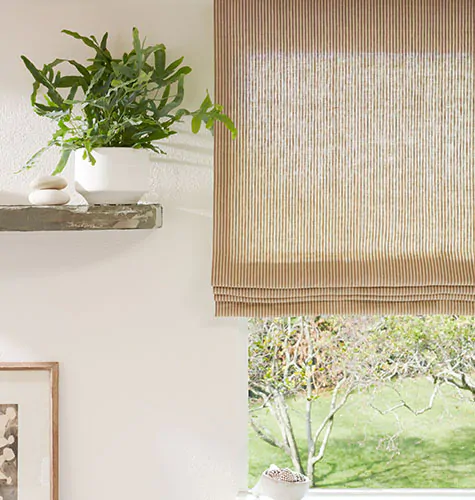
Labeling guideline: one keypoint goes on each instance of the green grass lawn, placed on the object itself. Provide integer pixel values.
(435, 450)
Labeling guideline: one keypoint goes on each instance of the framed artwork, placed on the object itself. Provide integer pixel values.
(29, 431)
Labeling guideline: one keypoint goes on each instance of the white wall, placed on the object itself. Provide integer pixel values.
(153, 388)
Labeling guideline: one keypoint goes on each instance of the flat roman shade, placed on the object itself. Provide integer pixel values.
(350, 188)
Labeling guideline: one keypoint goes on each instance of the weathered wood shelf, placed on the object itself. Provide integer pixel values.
(80, 217)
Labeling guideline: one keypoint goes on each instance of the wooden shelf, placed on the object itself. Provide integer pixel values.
(80, 217)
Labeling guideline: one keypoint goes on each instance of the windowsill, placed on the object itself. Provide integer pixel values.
(374, 494)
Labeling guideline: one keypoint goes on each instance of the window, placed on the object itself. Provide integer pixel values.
(349, 191)
(389, 401)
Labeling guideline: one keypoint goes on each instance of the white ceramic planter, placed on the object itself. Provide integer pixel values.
(281, 490)
(120, 175)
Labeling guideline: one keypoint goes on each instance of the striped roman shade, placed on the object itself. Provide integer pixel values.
(350, 188)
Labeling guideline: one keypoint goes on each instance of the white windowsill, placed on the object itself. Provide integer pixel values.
(375, 494)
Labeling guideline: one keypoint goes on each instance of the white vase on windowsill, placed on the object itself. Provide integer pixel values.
(119, 176)
(282, 490)
(277, 488)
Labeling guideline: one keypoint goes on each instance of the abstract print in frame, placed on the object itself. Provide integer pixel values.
(29, 437)
(8, 451)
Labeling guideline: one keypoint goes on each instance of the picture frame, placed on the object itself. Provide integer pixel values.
(29, 431)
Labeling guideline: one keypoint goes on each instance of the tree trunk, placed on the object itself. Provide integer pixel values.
(285, 424)
(309, 404)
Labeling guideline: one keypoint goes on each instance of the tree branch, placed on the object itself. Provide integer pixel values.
(323, 446)
(263, 405)
(288, 431)
(334, 408)
(403, 404)
(267, 436)
(459, 380)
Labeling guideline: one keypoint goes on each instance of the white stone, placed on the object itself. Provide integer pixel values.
(49, 182)
(48, 197)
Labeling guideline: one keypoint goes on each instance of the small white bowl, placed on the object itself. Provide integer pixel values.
(282, 490)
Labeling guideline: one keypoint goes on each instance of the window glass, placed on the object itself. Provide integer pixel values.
(364, 402)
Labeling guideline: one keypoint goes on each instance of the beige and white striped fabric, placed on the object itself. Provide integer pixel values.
(351, 186)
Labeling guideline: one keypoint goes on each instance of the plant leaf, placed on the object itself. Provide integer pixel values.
(123, 70)
(164, 98)
(41, 78)
(228, 123)
(180, 94)
(72, 94)
(34, 159)
(160, 59)
(87, 41)
(176, 76)
(174, 65)
(71, 81)
(104, 41)
(196, 124)
(137, 48)
(66, 153)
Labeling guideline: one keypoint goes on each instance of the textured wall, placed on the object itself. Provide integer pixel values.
(146, 411)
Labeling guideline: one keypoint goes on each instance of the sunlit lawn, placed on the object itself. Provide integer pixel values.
(436, 449)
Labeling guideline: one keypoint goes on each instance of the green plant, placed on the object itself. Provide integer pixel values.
(129, 102)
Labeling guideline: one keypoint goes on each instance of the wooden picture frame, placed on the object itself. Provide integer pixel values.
(51, 393)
